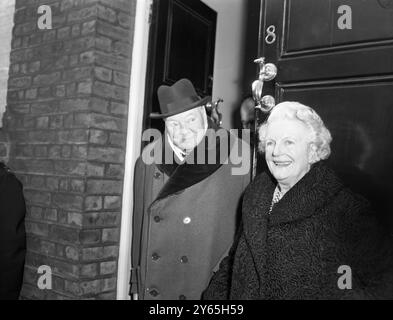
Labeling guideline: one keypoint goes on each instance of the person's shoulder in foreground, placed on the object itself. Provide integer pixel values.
(12, 234)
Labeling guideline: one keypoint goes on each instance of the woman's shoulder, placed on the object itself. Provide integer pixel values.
(349, 210)
(337, 192)
(343, 194)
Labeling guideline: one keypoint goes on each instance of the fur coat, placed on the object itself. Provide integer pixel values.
(321, 241)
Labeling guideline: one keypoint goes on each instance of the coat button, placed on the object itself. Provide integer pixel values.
(157, 219)
(184, 259)
(182, 297)
(186, 220)
(155, 256)
(153, 292)
(157, 175)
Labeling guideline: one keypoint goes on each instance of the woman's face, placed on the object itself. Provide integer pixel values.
(287, 151)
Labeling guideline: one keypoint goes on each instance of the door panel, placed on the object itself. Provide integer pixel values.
(181, 45)
(336, 65)
(300, 35)
(370, 23)
(189, 47)
(346, 76)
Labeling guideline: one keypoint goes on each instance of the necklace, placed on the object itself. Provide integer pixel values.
(277, 195)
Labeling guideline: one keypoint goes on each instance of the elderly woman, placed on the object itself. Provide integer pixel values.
(304, 235)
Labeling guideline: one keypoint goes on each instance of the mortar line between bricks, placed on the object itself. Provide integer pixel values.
(29, 219)
(72, 262)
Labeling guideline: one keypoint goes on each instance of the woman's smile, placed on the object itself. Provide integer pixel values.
(280, 163)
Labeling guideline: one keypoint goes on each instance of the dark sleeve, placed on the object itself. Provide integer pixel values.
(220, 283)
(12, 236)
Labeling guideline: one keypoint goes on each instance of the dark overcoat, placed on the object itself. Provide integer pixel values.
(184, 224)
(12, 235)
(303, 249)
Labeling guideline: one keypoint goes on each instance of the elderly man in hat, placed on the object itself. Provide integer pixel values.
(185, 211)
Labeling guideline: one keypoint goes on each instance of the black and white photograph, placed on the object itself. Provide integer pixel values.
(218, 151)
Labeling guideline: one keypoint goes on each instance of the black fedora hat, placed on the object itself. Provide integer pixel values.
(179, 97)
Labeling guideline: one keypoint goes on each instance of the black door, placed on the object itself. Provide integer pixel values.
(181, 45)
(339, 60)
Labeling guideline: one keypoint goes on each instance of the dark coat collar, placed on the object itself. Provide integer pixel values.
(304, 199)
(189, 172)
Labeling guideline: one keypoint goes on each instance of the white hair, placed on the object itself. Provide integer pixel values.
(319, 135)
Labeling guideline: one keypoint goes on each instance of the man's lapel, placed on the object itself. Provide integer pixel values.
(191, 171)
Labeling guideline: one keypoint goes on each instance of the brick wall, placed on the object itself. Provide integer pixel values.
(7, 9)
(4, 146)
(66, 123)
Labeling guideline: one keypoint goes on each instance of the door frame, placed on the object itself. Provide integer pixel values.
(140, 89)
(133, 144)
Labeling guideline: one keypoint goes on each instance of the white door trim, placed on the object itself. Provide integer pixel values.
(134, 136)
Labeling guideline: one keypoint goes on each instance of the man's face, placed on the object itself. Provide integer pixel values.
(187, 129)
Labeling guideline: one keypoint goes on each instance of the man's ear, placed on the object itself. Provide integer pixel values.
(202, 110)
(312, 153)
